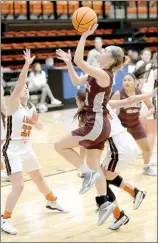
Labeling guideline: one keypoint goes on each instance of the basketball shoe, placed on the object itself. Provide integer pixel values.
(54, 205)
(117, 223)
(104, 211)
(7, 227)
(138, 198)
(89, 179)
(149, 171)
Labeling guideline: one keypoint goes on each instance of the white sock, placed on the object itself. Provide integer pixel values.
(146, 165)
(83, 168)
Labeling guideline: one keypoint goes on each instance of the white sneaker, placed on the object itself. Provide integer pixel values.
(7, 227)
(54, 205)
(89, 179)
(117, 223)
(56, 102)
(138, 198)
(149, 171)
(4, 176)
(104, 211)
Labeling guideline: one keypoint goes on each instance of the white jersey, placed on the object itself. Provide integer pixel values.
(148, 87)
(19, 125)
(116, 126)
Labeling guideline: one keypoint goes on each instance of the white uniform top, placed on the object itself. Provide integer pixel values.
(148, 87)
(116, 126)
(19, 125)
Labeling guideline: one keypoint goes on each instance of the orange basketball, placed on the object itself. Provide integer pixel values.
(83, 18)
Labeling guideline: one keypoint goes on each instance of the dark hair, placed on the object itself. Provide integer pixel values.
(132, 75)
(81, 113)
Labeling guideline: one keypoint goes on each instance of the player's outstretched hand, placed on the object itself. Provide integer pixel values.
(64, 56)
(90, 31)
(34, 117)
(27, 56)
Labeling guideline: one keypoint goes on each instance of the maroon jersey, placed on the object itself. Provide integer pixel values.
(97, 128)
(129, 116)
(96, 96)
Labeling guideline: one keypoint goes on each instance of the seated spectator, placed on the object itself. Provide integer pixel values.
(37, 81)
(93, 55)
(48, 65)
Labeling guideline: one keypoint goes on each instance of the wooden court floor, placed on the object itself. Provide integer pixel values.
(35, 223)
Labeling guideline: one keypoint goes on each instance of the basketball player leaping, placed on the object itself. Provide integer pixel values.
(122, 147)
(18, 153)
(97, 127)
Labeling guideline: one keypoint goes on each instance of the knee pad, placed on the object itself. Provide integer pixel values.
(110, 194)
(117, 181)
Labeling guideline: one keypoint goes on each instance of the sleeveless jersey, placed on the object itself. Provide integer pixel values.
(19, 125)
(129, 116)
(96, 96)
(116, 126)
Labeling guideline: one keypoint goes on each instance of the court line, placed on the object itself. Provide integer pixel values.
(27, 180)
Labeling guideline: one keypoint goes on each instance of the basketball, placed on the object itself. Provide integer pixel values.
(83, 18)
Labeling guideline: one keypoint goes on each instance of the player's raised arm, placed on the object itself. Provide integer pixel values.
(67, 58)
(15, 96)
(102, 77)
(132, 100)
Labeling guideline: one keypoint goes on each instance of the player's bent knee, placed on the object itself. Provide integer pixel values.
(117, 181)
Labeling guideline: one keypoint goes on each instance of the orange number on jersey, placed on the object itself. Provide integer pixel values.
(26, 131)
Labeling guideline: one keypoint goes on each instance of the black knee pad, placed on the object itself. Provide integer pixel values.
(117, 181)
(110, 194)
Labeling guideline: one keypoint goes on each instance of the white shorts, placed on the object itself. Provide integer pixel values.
(19, 156)
(122, 150)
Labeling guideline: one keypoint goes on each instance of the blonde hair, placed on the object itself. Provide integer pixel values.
(118, 56)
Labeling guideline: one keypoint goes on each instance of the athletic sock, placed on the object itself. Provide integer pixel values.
(101, 199)
(2, 166)
(83, 168)
(116, 212)
(7, 215)
(51, 197)
(130, 190)
(146, 165)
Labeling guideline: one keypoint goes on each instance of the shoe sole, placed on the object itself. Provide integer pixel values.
(144, 173)
(123, 223)
(106, 215)
(54, 209)
(142, 197)
(95, 178)
(7, 232)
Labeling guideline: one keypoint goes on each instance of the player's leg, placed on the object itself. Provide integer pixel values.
(120, 218)
(65, 147)
(38, 179)
(17, 183)
(150, 127)
(144, 146)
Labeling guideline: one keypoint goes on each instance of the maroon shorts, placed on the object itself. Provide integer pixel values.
(137, 131)
(95, 132)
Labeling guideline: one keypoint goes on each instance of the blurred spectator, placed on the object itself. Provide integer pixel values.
(134, 56)
(38, 82)
(93, 55)
(3, 70)
(145, 58)
(49, 64)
